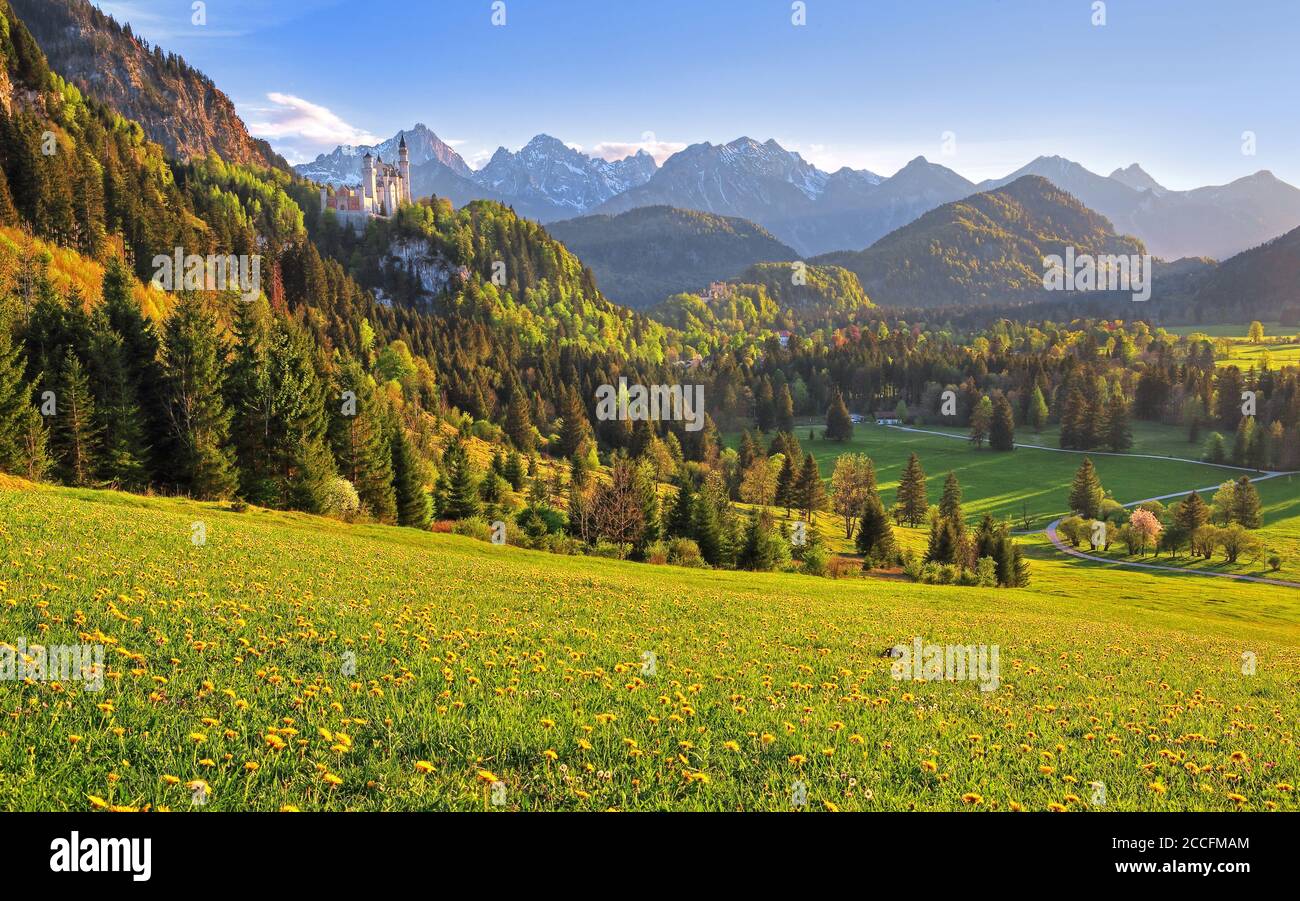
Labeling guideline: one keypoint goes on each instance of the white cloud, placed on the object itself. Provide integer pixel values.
(617, 150)
(301, 126)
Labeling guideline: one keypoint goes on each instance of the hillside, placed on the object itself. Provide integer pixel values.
(1260, 283)
(642, 256)
(178, 106)
(986, 249)
(409, 664)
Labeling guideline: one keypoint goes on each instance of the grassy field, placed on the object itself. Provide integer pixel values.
(1009, 485)
(294, 661)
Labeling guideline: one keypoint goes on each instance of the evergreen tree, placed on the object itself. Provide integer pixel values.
(412, 499)
(575, 429)
(1085, 492)
(117, 416)
(197, 418)
(707, 530)
(839, 425)
(981, 420)
(786, 485)
(1002, 432)
(875, 541)
(785, 410)
(950, 503)
(809, 491)
(1119, 435)
(1191, 513)
(76, 435)
(519, 421)
(1037, 410)
(913, 502)
(461, 490)
(22, 431)
(513, 470)
(681, 518)
(359, 436)
(1245, 504)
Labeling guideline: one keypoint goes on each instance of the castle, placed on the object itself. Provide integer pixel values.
(383, 188)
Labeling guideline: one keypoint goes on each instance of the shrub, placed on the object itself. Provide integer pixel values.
(1274, 562)
(685, 552)
(986, 572)
(656, 553)
(839, 567)
(611, 550)
(473, 527)
(815, 559)
(339, 499)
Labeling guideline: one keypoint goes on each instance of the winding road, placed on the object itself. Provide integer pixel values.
(1074, 552)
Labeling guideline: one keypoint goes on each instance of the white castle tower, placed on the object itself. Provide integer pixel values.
(382, 190)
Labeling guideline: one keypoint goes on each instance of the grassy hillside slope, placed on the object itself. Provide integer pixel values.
(228, 663)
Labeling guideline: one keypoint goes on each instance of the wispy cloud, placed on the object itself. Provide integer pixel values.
(617, 150)
(302, 128)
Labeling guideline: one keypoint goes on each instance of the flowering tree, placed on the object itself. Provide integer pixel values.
(1145, 529)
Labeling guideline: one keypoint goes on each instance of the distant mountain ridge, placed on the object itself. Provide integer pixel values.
(644, 255)
(985, 249)
(1216, 221)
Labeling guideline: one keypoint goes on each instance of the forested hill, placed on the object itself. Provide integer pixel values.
(985, 249)
(178, 106)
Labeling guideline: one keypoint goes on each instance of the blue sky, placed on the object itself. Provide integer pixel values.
(1172, 84)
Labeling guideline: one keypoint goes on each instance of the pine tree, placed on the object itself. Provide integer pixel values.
(118, 417)
(681, 518)
(950, 503)
(1038, 412)
(1002, 433)
(810, 493)
(197, 418)
(1119, 435)
(707, 530)
(839, 425)
(359, 436)
(462, 492)
(786, 485)
(513, 471)
(575, 430)
(785, 410)
(1191, 513)
(913, 501)
(412, 499)
(76, 435)
(981, 420)
(1085, 492)
(519, 421)
(1245, 504)
(22, 431)
(875, 541)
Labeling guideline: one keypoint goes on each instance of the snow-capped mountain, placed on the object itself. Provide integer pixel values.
(547, 180)
(809, 209)
(342, 166)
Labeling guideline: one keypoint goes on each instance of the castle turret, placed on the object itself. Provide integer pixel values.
(368, 179)
(404, 167)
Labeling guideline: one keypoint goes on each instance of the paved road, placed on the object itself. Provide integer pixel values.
(1074, 552)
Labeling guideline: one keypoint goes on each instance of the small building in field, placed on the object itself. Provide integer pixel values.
(887, 417)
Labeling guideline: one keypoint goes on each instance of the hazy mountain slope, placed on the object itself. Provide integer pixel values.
(644, 255)
(988, 248)
(178, 106)
(1260, 283)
